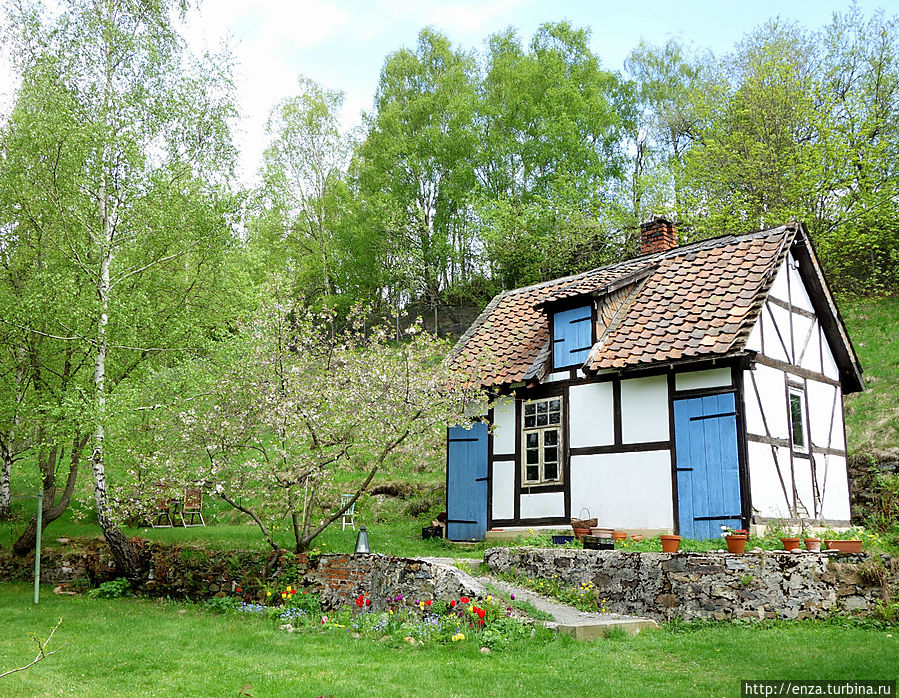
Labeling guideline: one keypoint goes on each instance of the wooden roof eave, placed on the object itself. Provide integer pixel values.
(828, 314)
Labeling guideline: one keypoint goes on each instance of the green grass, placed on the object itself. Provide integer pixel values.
(125, 647)
(872, 417)
(401, 537)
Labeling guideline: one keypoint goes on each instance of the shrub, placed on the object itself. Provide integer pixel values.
(111, 590)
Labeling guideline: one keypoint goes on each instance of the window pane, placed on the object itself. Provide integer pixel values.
(541, 408)
(532, 473)
(796, 419)
(533, 440)
(553, 417)
(541, 420)
(550, 437)
(549, 454)
(551, 471)
(555, 405)
(529, 422)
(533, 456)
(529, 409)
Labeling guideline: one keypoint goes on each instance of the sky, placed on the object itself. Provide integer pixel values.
(342, 44)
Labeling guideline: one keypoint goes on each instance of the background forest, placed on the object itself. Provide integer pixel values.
(131, 260)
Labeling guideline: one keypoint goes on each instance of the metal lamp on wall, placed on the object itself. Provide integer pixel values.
(362, 542)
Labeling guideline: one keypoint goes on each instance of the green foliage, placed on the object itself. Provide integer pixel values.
(872, 421)
(113, 589)
(221, 604)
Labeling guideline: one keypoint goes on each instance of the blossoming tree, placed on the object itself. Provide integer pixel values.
(296, 403)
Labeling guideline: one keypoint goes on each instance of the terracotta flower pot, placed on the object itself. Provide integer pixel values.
(637, 538)
(580, 532)
(619, 535)
(670, 544)
(813, 544)
(844, 546)
(790, 543)
(736, 543)
(602, 532)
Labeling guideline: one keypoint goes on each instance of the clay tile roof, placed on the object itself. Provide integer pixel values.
(695, 301)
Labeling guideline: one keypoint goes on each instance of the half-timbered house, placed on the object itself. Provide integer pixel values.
(679, 391)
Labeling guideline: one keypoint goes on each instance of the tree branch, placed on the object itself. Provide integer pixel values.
(41, 651)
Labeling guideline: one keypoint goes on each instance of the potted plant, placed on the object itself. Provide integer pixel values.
(844, 544)
(735, 539)
(670, 544)
(812, 544)
(790, 542)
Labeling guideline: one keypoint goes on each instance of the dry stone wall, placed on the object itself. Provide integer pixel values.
(712, 585)
(196, 573)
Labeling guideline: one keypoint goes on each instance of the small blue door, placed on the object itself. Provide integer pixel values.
(466, 486)
(708, 465)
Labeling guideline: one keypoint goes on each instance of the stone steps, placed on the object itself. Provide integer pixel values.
(581, 625)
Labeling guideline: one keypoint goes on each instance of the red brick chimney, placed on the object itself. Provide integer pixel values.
(658, 234)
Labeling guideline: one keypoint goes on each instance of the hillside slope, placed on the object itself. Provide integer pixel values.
(872, 417)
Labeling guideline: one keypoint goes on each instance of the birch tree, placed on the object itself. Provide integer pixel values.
(119, 140)
(304, 189)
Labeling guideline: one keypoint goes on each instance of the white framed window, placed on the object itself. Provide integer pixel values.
(798, 419)
(541, 439)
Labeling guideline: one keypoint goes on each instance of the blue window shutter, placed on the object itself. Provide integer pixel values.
(572, 336)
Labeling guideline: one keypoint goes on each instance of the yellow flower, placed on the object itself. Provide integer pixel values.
(283, 594)
(268, 593)
(390, 611)
(489, 598)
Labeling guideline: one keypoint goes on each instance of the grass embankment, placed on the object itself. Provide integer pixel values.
(872, 417)
(126, 647)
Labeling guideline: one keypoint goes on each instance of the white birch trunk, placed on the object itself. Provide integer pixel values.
(6, 454)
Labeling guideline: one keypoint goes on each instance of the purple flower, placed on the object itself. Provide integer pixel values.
(512, 596)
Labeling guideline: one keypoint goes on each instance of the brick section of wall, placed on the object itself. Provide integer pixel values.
(657, 235)
(709, 585)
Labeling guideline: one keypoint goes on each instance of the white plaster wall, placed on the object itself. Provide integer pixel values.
(503, 500)
(834, 485)
(754, 343)
(765, 488)
(771, 390)
(773, 347)
(711, 378)
(782, 322)
(821, 407)
(544, 504)
(591, 415)
(504, 429)
(830, 366)
(812, 357)
(644, 409)
(624, 490)
(557, 376)
(798, 295)
(805, 495)
(779, 287)
(801, 327)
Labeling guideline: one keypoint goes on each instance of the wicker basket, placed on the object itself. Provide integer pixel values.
(582, 526)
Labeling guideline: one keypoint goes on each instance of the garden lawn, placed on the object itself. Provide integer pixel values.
(127, 647)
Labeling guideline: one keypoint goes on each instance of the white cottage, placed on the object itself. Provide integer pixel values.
(686, 389)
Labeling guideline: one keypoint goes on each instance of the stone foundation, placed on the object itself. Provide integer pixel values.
(711, 585)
